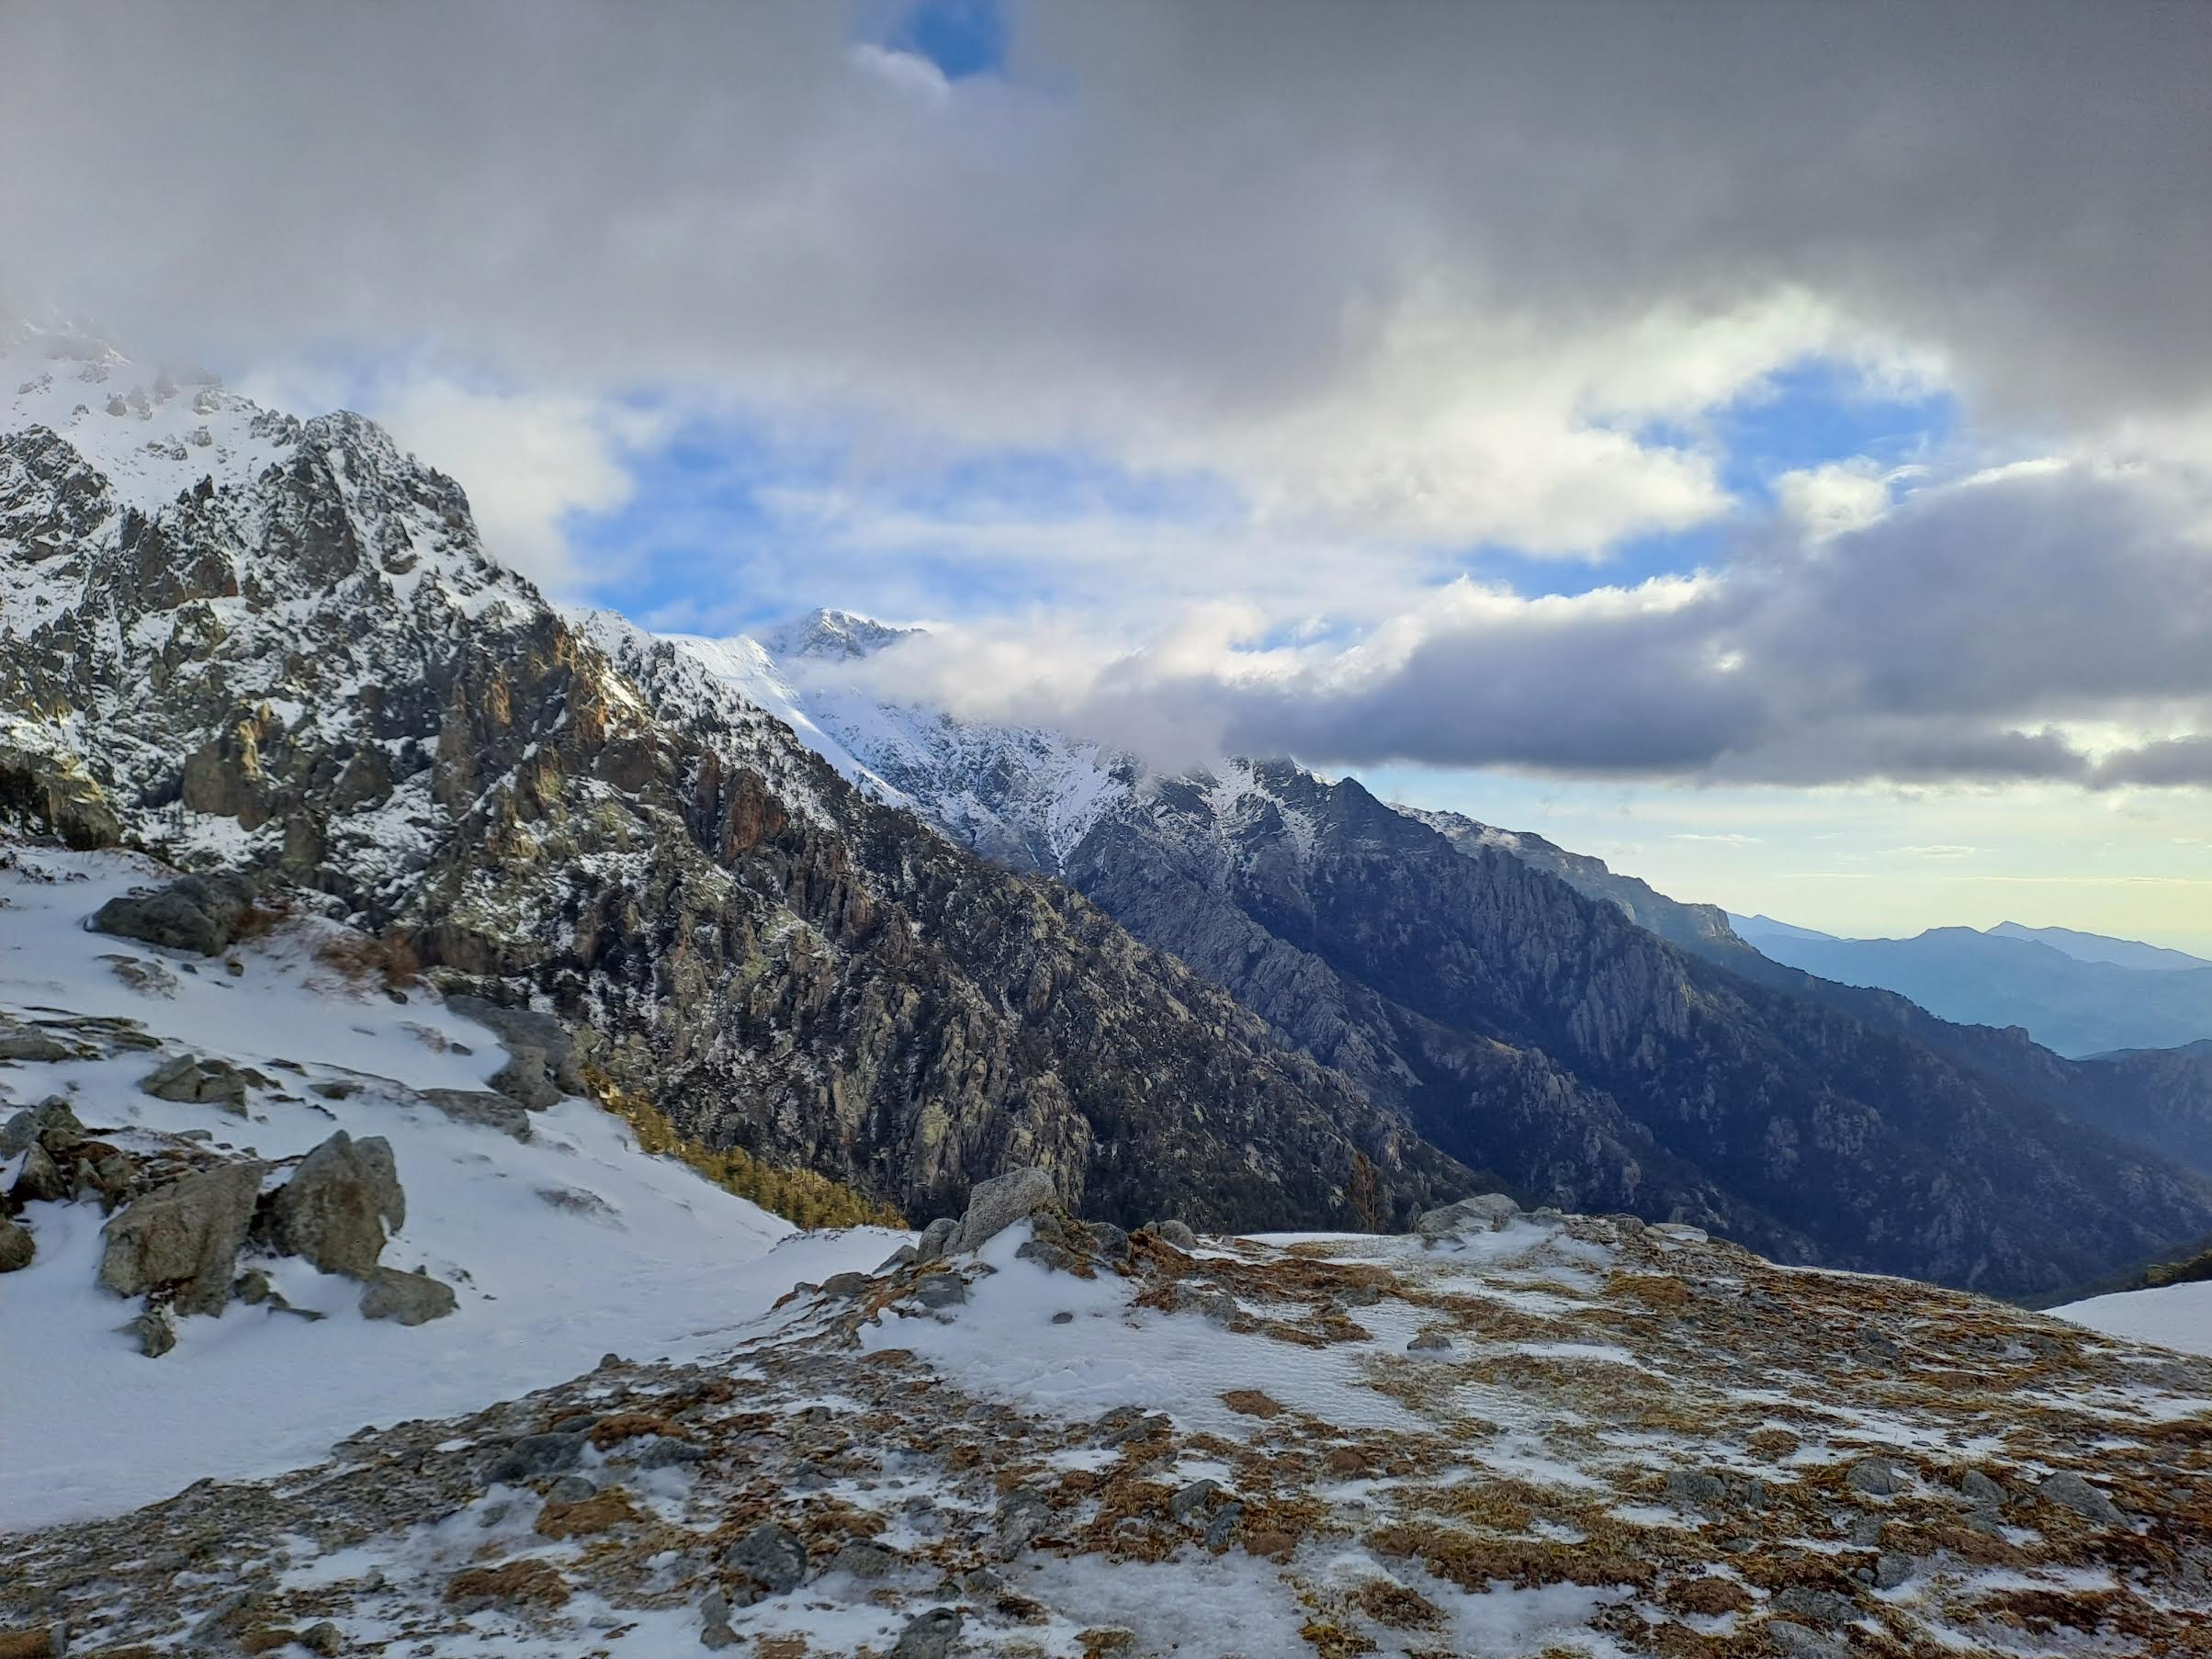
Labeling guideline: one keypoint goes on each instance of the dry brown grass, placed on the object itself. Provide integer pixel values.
(1398, 1606)
(388, 961)
(533, 1583)
(597, 1513)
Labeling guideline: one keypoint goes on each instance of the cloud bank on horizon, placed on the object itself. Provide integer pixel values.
(1790, 394)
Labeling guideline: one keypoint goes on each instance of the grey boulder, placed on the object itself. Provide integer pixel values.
(28, 1043)
(17, 1246)
(1875, 1478)
(932, 1636)
(406, 1298)
(194, 1081)
(2069, 1491)
(155, 1332)
(865, 1560)
(1484, 1212)
(203, 914)
(335, 1209)
(534, 1455)
(769, 1558)
(934, 1237)
(186, 1235)
(998, 1203)
(51, 1125)
(41, 1180)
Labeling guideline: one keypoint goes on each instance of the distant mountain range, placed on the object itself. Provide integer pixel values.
(2078, 993)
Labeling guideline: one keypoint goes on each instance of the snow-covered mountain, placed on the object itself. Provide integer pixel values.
(422, 1350)
(1512, 999)
(302, 661)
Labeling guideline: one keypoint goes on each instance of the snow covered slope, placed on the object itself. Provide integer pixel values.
(561, 1248)
(152, 433)
(1550, 1435)
(1023, 796)
(2173, 1316)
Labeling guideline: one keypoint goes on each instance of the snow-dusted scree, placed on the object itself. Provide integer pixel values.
(1506, 1434)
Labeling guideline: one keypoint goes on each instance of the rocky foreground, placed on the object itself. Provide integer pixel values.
(1023, 1435)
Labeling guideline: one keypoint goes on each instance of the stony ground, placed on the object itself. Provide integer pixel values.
(1564, 1435)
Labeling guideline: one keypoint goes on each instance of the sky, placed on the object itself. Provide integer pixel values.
(1770, 447)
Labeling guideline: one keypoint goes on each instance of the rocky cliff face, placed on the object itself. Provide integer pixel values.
(1592, 1043)
(302, 661)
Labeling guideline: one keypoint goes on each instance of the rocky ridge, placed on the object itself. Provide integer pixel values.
(1579, 1036)
(302, 663)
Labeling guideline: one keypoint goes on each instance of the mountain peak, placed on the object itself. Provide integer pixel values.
(833, 635)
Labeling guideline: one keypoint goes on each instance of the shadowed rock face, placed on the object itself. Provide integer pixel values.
(1540, 1033)
(1586, 1040)
(320, 659)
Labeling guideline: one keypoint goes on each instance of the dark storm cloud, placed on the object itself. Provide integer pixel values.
(2168, 763)
(1954, 638)
(1174, 214)
(1255, 240)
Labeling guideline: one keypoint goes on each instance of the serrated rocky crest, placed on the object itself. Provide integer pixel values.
(305, 663)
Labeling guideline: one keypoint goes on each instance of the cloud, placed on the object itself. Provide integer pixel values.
(530, 461)
(1469, 274)
(1939, 850)
(2164, 762)
(1958, 637)
(1400, 288)
(527, 462)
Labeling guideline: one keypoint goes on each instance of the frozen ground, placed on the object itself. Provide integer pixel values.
(1611, 1440)
(562, 1249)
(2176, 1315)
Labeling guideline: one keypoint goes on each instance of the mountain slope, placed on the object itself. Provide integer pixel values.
(1536, 1030)
(542, 1223)
(305, 663)
(2100, 947)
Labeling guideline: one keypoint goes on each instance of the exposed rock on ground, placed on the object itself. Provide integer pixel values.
(405, 1298)
(995, 1204)
(184, 1237)
(201, 914)
(337, 1205)
(1637, 1444)
(17, 1246)
(200, 1081)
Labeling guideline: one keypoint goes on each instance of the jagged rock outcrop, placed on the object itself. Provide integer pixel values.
(380, 714)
